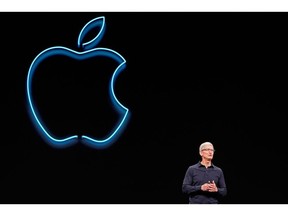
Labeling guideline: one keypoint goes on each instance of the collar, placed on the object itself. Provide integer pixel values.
(201, 165)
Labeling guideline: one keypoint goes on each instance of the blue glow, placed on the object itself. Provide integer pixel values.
(99, 21)
(86, 54)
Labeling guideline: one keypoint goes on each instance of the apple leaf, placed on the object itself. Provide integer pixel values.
(91, 25)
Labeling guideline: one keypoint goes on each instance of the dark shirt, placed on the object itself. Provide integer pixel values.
(197, 175)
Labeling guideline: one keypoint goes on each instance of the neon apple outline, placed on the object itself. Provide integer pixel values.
(88, 52)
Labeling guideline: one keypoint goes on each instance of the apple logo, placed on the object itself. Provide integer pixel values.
(88, 52)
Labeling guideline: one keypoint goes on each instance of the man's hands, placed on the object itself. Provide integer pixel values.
(209, 187)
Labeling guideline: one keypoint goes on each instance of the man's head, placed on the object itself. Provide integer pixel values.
(206, 150)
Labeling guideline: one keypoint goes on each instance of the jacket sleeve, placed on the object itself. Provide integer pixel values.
(187, 186)
(222, 189)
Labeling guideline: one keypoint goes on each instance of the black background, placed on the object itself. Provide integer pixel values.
(191, 77)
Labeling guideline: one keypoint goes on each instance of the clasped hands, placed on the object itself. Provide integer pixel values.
(210, 187)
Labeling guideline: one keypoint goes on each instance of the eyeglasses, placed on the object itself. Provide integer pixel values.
(213, 150)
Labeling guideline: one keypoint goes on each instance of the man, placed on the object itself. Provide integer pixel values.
(204, 182)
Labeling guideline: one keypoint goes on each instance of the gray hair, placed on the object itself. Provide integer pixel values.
(203, 145)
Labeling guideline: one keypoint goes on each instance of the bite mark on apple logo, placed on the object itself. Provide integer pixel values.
(88, 52)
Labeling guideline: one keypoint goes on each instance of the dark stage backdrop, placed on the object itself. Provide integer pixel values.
(191, 77)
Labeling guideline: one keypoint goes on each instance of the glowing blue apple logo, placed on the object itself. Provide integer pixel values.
(88, 52)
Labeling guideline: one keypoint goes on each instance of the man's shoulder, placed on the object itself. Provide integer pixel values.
(217, 168)
(194, 166)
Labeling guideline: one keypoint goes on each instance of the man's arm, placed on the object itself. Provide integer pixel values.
(187, 186)
(222, 190)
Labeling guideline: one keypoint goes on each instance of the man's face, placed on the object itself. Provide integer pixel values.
(207, 152)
